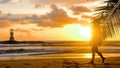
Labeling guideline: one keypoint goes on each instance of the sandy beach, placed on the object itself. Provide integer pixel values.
(110, 62)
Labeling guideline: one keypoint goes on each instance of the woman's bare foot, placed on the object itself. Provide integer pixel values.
(103, 60)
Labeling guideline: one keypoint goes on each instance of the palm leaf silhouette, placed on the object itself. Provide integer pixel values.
(108, 17)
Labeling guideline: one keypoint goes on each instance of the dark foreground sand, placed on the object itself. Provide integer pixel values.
(113, 62)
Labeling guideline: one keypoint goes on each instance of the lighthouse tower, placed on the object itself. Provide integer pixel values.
(11, 35)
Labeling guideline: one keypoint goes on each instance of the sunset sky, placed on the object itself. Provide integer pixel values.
(47, 20)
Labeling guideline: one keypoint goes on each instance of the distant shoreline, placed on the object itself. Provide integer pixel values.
(49, 42)
(19, 42)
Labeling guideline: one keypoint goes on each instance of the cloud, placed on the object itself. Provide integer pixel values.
(9, 17)
(79, 9)
(36, 29)
(38, 5)
(56, 18)
(13, 18)
(21, 30)
(66, 3)
(4, 1)
(83, 22)
(4, 24)
(5, 21)
(0, 12)
(70, 2)
(87, 17)
(24, 34)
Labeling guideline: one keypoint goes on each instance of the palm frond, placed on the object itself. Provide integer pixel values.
(109, 16)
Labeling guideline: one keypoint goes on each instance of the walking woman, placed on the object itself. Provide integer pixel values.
(96, 40)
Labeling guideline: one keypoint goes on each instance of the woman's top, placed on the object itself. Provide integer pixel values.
(96, 34)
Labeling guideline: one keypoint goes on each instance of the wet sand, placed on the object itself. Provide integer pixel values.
(110, 62)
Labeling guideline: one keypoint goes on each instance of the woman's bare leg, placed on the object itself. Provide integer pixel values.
(100, 54)
(93, 55)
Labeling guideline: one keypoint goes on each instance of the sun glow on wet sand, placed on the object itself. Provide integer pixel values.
(87, 55)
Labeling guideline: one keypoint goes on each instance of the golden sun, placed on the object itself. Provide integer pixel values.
(79, 32)
(85, 31)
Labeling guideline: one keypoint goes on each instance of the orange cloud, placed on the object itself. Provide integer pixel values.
(4, 1)
(38, 5)
(79, 9)
(4, 23)
(87, 17)
(68, 2)
(83, 22)
(56, 18)
(21, 30)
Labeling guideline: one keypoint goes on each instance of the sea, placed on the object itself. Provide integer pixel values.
(56, 50)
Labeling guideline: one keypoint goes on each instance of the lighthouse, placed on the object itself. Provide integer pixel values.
(11, 35)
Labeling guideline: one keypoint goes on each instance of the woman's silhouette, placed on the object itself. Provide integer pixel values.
(96, 40)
